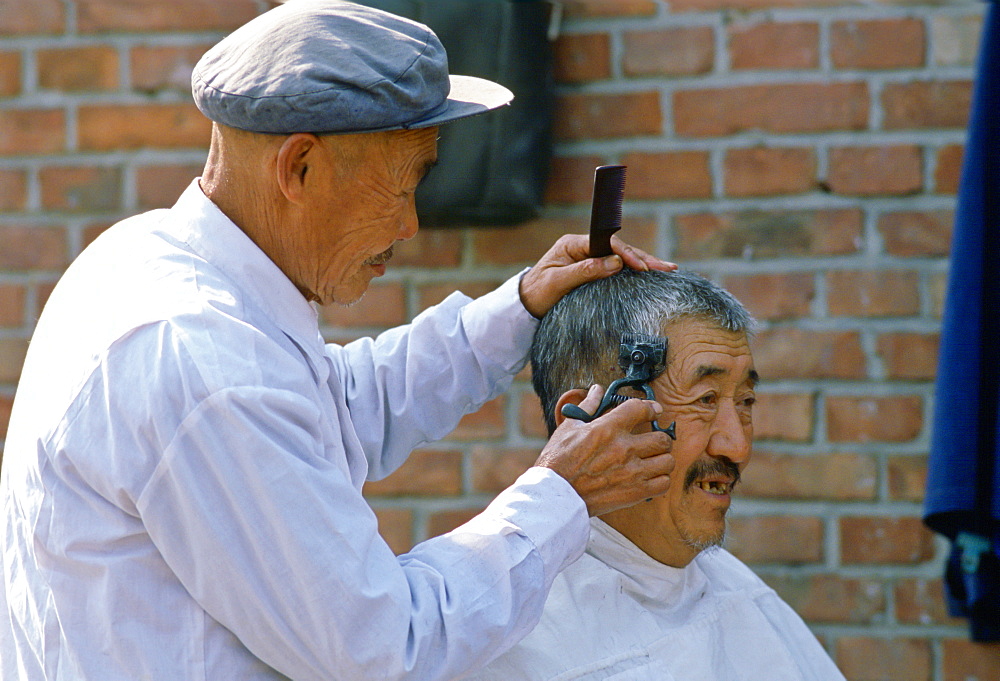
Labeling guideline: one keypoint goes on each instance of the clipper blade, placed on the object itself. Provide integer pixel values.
(645, 351)
(606, 211)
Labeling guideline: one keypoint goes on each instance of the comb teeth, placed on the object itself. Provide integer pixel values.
(606, 211)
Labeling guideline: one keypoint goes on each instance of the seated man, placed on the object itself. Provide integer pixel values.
(654, 596)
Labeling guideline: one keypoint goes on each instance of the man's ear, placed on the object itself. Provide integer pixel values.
(295, 155)
(574, 396)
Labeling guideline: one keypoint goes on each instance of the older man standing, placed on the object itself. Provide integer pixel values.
(654, 598)
(182, 475)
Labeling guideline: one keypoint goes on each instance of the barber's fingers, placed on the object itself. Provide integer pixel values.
(632, 413)
(638, 259)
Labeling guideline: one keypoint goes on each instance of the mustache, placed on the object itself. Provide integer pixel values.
(381, 258)
(703, 468)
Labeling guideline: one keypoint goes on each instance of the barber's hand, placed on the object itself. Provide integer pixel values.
(568, 264)
(608, 465)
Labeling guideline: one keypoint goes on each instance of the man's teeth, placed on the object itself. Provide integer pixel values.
(715, 487)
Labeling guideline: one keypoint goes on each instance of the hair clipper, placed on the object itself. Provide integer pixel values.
(642, 358)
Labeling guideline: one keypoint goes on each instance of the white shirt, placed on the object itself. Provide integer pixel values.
(182, 475)
(618, 614)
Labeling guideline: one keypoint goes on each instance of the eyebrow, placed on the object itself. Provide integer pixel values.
(426, 168)
(706, 370)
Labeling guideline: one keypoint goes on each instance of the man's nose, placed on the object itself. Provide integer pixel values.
(731, 437)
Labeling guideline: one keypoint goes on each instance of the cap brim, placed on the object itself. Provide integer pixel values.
(469, 96)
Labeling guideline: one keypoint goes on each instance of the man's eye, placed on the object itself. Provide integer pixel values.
(707, 399)
(749, 401)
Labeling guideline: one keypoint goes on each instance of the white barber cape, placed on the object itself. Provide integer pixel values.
(618, 614)
(181, 481)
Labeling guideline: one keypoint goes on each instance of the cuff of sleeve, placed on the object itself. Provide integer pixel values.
(499, 326)
(546, 508)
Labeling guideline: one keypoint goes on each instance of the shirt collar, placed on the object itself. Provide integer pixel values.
(661, 587)
(221, 242)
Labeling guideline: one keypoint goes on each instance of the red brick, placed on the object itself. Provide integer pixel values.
(526, 243)
(938, 285)
(768, 234)
(582, 57)
(873, 293)
(831, 599)
(78, 69)
(836, 477)
(92, 231)
(10, 73)
(487, 423)
(955, 39)
(781, 108)
(586, 116)
(43, 289)
(917, 233)
(32, 131)
(159, 186)
(874, 419)
(877, 44)
(708, 5)
(432, 294)
(13, 189)
(926, 105)
(81, 188)
(38, 16)
(762, 171)
(493, 470)
(135, 126)
(683, 51)
(396, 527)
(571, 179)
(579, 9)
(428, 472)
(383, 305)
(101, 16)
(909, 356)
(861, 658)
(156, 68)
(445, 521)
(870, 540)
(907, 477)
(948, 170)
(783, 416)
(12, 297)
(922, 601)
(784, 539)
(798, 353)
(6, 404)
(530, 418)
(668, 175)
(774, 296)
(32, 248)
(430, 248)
(968, 661)
(872, 171)
(787, 45)
(12, 352)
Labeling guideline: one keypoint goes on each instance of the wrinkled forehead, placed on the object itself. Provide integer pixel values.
(699, 349)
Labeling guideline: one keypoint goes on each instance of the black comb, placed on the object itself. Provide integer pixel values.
(606, 212)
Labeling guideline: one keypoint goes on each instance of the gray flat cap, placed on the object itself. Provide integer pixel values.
(329, 66)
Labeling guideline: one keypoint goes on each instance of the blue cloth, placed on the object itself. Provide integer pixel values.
(963, 486)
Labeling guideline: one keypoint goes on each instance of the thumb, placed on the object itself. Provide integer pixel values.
(592, 401)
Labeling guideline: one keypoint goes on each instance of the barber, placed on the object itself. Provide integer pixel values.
(182, 476)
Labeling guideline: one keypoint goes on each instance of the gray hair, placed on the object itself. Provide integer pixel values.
(577, 342)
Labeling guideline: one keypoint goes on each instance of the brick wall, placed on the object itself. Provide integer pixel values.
(804, 153)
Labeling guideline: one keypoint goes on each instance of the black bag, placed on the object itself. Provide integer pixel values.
(492, 167)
